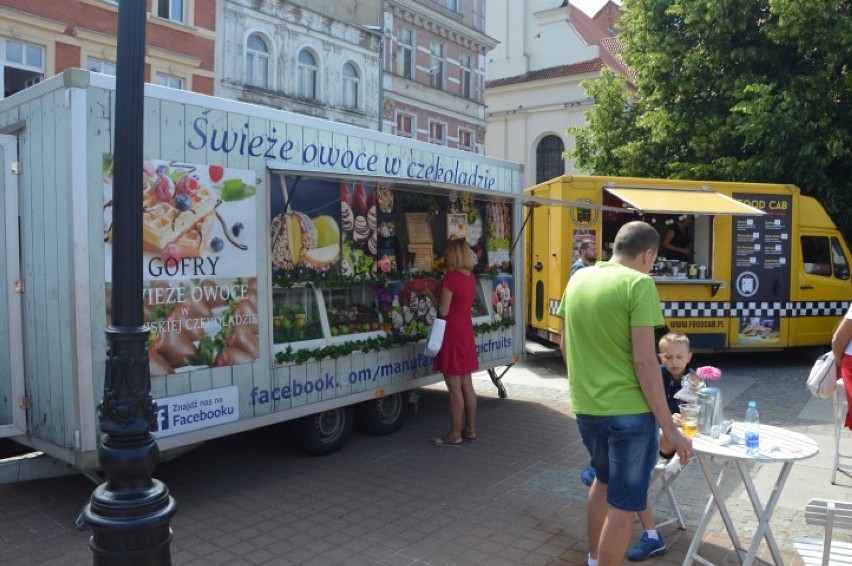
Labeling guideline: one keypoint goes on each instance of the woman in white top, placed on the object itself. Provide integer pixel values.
(841, 347)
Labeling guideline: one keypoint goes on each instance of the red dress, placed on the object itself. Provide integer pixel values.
(458, 350)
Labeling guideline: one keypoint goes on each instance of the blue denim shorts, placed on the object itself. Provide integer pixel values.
(623, 451)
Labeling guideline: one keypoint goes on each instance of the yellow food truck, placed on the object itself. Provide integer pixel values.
(767, 268)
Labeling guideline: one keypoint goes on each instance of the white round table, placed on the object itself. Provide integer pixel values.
(777, 445)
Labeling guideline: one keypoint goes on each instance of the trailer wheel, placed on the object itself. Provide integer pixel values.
(325, 432)
(383, 415)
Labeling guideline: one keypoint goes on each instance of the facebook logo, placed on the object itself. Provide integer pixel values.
(162, 420)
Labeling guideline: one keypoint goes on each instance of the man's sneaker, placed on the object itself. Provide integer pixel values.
(587, 476)
(646, 547)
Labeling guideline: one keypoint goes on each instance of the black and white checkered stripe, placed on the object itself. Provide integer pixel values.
(816, 308)
(554, 305)
(704, 309)
(726, 309)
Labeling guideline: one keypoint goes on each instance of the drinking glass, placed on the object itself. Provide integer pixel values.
(689, 416)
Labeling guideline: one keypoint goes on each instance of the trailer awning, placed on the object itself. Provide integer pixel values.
(682, 201)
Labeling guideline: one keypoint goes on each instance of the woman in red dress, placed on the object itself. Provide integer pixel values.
(457, 357)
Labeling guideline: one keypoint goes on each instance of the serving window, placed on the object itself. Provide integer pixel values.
(684, 217)
(359, 259)
(685, 239)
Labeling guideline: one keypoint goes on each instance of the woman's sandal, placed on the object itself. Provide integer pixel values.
(444, 441)
(469, 437)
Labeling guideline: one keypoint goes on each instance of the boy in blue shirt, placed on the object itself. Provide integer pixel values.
(675, 357)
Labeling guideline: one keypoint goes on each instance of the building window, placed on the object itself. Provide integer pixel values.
(548, 159)
(23, 65)
(170, 10)
(169, 81)
(257, 61)
(307, 67)
(436, 66)
(465, 76)
(454, 5)
(98, 66)
(437, 132)
(405, 125)
(465, 139)
(405, 53)
(351, 86)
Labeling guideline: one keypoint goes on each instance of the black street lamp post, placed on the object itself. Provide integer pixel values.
(129, 513)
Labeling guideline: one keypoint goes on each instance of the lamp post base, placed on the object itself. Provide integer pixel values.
(130, 525)
(129, 513)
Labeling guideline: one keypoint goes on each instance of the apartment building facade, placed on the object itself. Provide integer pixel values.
(415, 68)
(40, 39)
(434, 62)
(290, 55)
(432, 66)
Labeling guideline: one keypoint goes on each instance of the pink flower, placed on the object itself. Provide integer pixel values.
(708, 373)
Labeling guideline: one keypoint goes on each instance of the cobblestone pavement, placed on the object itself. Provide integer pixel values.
(511, 497)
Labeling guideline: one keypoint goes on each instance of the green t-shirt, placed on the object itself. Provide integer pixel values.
(600, 306)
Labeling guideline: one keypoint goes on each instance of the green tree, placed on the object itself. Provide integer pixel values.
(744, 90)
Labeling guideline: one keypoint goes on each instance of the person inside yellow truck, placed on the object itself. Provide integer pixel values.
(676, 242)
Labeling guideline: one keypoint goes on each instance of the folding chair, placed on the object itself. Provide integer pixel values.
(661, 484)
(840, 409)
(826, 551)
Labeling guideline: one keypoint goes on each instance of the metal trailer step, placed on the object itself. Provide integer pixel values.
(32, 466)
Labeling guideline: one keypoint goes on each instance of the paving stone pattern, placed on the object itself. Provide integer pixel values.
(513, 497)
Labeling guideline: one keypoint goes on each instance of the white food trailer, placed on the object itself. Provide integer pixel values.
(291, 266)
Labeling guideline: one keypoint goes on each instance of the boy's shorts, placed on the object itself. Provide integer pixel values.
(623, 451)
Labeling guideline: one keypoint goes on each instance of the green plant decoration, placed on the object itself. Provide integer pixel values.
(298, 357)
(333, 281)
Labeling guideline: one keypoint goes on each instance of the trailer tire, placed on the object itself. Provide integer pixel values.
(324, 433)
(382, 416)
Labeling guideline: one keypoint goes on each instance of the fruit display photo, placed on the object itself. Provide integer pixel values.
(359, 222)
(199, 263)
(464, 219)
(499, 224)
(501, 297)
(305, 229)
(414, 306)
(201, 323)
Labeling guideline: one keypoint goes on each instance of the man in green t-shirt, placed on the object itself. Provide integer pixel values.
(610, 311)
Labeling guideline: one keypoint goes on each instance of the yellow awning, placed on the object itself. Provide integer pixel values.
(682, 201)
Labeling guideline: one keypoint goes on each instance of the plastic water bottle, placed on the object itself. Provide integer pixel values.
(752, 429)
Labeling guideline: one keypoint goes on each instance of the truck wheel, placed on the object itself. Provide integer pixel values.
(383, 415)
(324, 433)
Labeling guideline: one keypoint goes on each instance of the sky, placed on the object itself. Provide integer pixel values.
(590, 7)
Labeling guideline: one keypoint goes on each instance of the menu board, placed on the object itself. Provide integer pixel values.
(761, 249)
(761, 260)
